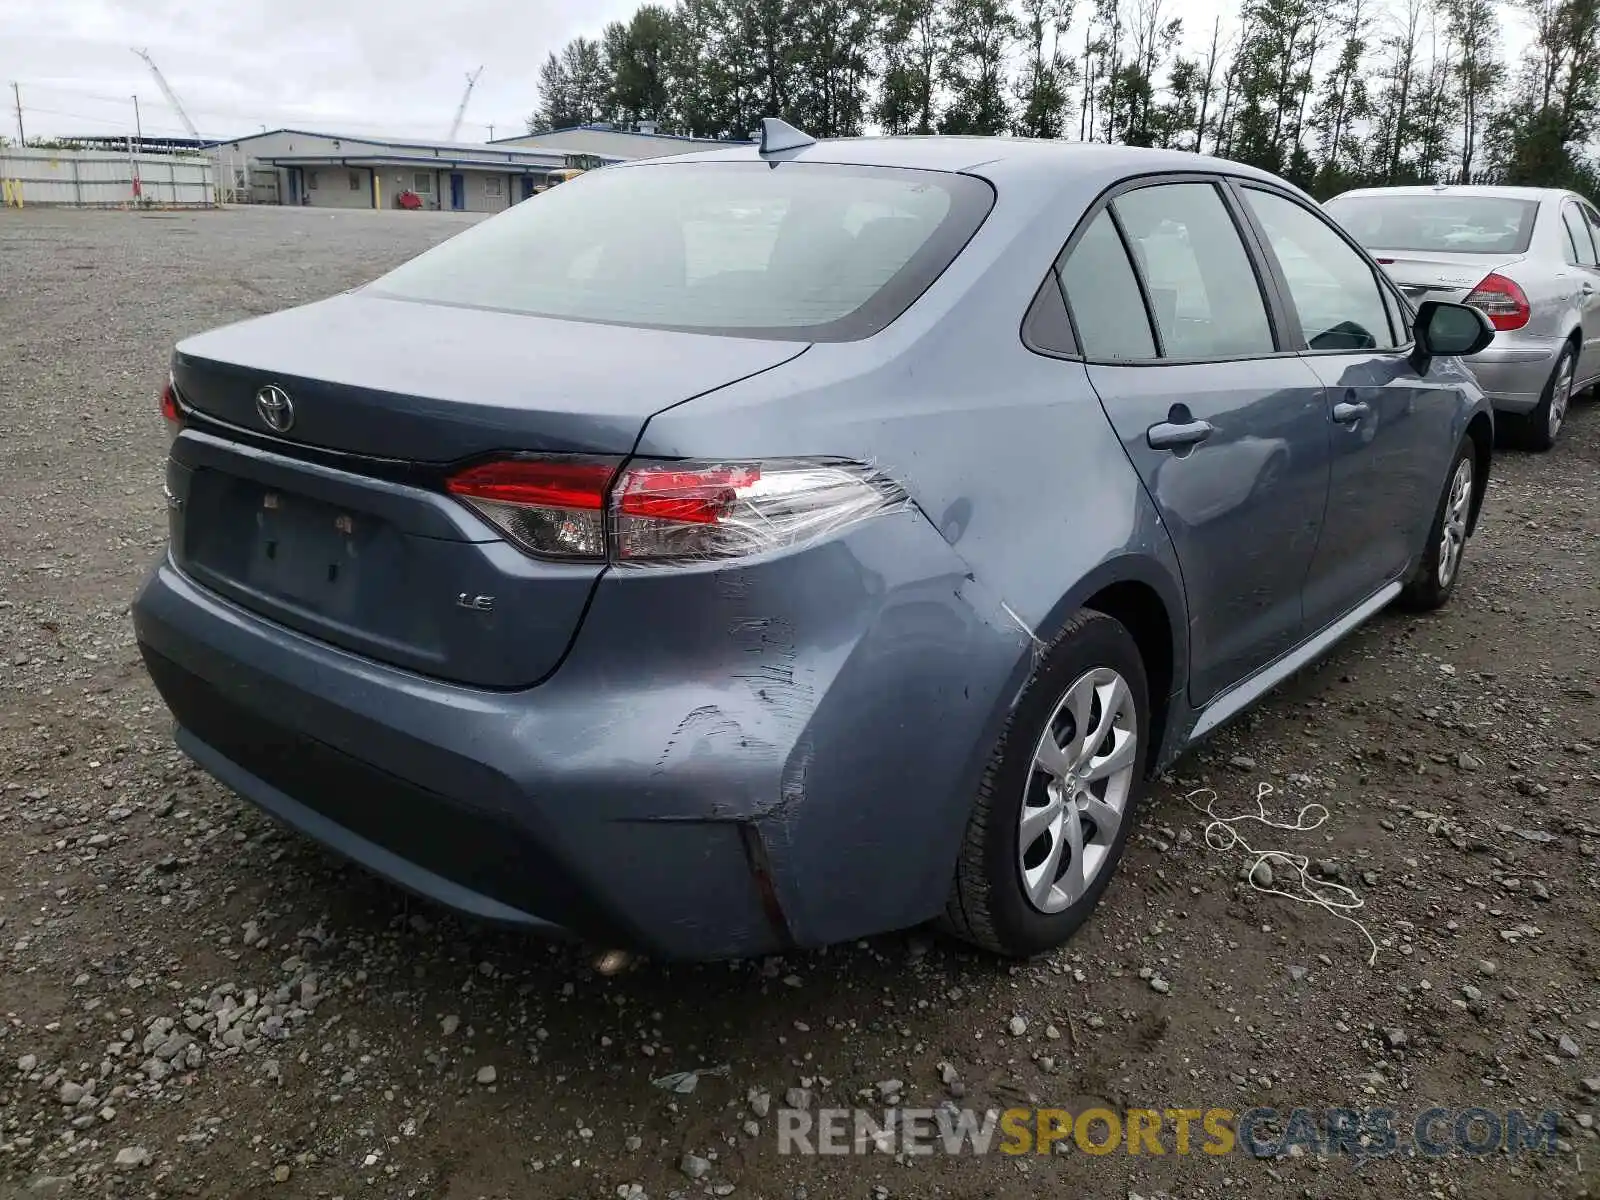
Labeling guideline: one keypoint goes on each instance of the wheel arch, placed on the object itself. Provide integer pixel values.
(1144, 597)
(1139, 609)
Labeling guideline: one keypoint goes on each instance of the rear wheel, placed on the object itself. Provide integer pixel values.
(1436, 575)
(1541, 427)
(1056, 804)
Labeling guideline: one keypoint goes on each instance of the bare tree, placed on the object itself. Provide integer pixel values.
(1207, 88)
(1398, 75)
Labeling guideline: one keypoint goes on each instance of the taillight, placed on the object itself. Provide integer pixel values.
(171, 411)
(667, 511)
(687, 495)
(1502, 301)
(586, 510)
(551, 507)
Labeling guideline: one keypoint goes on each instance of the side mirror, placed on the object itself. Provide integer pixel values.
(1446, 330)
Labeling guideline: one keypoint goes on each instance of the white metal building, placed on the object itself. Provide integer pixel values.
(326, 170)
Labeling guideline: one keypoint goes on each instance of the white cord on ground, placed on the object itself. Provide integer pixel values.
(1221, 834)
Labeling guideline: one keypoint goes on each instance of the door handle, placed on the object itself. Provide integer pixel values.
(1349, 412)
(1170, 436)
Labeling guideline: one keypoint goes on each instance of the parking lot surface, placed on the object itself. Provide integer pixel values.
(197, 1003)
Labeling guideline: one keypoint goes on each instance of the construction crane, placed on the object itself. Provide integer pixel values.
(222, 193)
(461, 109)
(172, 99)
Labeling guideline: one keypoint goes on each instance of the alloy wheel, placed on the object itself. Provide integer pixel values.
(1458, 509)
(1077, 792)
(1561, 394)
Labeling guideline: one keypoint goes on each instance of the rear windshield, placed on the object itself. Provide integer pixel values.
(800, 251)
(1441, 224)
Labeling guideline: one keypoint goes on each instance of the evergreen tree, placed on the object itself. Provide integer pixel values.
(831, 67)
(638, 55)
(574, 87)
(698, 80)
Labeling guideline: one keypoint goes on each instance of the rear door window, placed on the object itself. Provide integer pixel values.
(1399, 319)
(1203, 291)
(1578, 231)
(802, 251)
(1334, 289)
(1593, 219)
(1103, 294)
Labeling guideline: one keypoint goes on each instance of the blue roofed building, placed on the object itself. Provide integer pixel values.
(330, 170)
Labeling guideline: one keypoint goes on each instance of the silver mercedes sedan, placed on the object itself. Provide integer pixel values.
(1528, 257)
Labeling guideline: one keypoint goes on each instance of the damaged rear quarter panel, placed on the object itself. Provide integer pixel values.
(821, 700)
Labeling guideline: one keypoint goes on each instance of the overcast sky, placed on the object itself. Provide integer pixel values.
(353, 66)
(395, 67)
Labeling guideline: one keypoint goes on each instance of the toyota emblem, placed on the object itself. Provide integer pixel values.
(275, 408)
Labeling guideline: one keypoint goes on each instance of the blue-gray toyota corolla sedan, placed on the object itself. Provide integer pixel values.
(784, 544)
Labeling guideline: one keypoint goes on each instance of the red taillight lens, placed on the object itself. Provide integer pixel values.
(699, 497)
(583, 510)
(171, 411)
(554, 508)
(542, 482)
(675, 512)
(1502, 301)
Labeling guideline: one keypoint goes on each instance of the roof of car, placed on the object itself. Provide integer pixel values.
(1476, 189)
(993, 157)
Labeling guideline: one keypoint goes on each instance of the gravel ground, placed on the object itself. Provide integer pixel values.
(199, 1003)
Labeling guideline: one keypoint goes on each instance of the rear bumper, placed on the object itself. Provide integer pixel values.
(1514, 376)
(794, 767)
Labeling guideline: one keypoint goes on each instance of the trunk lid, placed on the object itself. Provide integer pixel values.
(1439, 276)
(338, 527)
(403, 379)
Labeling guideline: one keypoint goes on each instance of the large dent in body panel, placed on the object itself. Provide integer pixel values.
(882, 771)
(857, 674)
(957, 651)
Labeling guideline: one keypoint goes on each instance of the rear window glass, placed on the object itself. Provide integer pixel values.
(803, 251)
(1438, 223)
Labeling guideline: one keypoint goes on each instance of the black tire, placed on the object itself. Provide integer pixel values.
(1533, 431)
(1429, 589)
(988, 903)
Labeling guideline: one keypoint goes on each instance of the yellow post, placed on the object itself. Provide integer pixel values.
(377, 189)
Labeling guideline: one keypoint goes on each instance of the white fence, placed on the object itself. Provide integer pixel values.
(100, 178)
